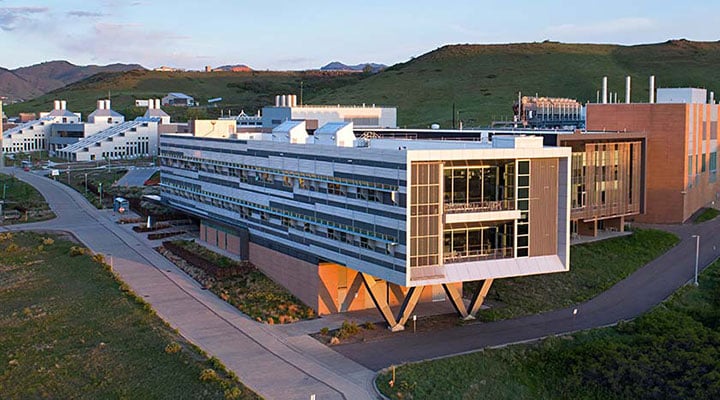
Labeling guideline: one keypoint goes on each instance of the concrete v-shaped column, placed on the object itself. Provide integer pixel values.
(379, 298)
(479, 297)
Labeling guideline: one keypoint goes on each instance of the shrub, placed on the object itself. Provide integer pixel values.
(48, 241)
(233, 393)
(12, 247)
(369, 326)
(324, 330)
(77, 251)
(172, 348)
(209, 375)
(347, 329)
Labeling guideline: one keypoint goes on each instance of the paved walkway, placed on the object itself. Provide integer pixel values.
(273, 364)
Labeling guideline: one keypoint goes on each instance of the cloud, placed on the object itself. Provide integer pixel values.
(131, 42)
(88, 14)
(12, 17)
(601, 30)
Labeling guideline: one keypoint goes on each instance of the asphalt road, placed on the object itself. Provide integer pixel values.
(638, 293)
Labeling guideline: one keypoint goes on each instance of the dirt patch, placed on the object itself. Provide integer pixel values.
(370, 332)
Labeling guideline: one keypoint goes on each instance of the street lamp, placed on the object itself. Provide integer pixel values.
(697, 257)
(86, 183)
(101, 199)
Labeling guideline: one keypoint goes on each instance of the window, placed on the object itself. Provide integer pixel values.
(336, 189)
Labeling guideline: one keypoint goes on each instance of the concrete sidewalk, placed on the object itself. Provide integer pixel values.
(273, 364)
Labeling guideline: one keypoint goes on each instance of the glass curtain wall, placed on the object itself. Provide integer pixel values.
(477, 242)
(487, 187)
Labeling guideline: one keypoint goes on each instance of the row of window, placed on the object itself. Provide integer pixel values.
(249, 210)
(230, 168)
(289, 179)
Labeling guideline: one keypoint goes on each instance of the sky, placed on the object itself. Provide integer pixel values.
(297, 35)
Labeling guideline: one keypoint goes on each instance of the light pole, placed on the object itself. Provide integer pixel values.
(86, 183)
(100, 189)
(697, 257)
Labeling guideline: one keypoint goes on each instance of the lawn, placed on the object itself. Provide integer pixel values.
(672, 352)
(70, 329)
(24, 199)
(594, 267)
(706, 215)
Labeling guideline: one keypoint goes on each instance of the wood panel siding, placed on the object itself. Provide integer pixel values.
(543, 206)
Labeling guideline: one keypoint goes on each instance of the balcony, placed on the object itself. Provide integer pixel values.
(479, 206)
(497, 210)
(478, 255)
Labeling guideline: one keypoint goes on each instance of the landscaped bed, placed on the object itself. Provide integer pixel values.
(672, 352)
(23, 203)
(70, 329)
(238, 283)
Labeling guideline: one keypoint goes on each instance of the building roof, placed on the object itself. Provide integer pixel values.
(155, 113)
(60, 113)
(179, 95)
(106, 134)
(105, 113)
(18, 128)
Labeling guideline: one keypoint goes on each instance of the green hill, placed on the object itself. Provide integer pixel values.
(481, 80)
(248, 91)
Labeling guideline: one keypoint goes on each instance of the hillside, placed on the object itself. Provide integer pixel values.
(481, 80)
(32, 81)
(248, 91)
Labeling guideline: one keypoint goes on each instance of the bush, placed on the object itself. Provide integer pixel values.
(172, 348)
(347, 329)
(209, 375)
(324, 330)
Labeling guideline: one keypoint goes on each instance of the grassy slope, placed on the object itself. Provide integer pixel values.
(669, 353)
(482, 80)
(68, 331)
(594, 267)
(23, 197)
(248, 91)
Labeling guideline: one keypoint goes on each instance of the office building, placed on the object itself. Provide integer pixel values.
(349, 223)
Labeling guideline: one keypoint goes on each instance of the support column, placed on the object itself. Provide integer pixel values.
(456, 300)
(380, 302)
(408, 305)
(379, 297)
(479, 297)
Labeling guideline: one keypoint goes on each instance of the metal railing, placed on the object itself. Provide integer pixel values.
(479, 206)
(479, 255)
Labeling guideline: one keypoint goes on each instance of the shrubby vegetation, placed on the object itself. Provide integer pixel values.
(673, 352)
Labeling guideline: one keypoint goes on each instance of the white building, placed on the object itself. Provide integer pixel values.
(138, 138)
(154, 111)
(34, 135)
(178, 99)
(364, 116)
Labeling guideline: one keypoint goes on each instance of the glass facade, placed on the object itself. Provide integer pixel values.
(485, 187)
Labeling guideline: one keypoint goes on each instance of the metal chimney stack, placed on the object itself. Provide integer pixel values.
(627, 90)
(604, 90)
(652, 89)
(712, 97)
